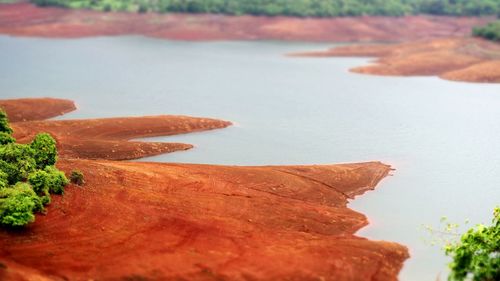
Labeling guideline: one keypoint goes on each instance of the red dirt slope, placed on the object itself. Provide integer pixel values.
(24, 19)
(145, 221)
(150, 221)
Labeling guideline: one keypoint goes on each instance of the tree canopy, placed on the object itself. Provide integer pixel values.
(299, 8)
(27, 176)
(477, 255)
(490, 31)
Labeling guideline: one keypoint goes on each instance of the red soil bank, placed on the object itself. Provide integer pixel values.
(29, 109)
(462, 59)
(24, 19)
(150, 221)
(108, 138)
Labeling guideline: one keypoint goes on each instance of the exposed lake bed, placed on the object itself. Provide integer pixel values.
(439, 135)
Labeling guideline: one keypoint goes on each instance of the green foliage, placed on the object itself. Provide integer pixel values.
(491, 31)
(299, 8)
(39, 181)
(44, 149)
(17, 205)
(4, 179)
(56, 180)
(477, 255)
(10, 170)
(4, 123)
(17, 161)
(6, 138)
(77, 177)
(32, 163)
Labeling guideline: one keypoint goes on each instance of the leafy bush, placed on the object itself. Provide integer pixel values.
(77, 177)
(477, 255)
(27, 176)
(17, 161)
(56, 180)
(4, 123)
(17, 205)
(6, 138)
(45, 150)
(10, 170)
(491, 31)
(4, 179)
(39, 181)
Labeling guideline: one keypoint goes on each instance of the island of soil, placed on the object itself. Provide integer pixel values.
(165, 221)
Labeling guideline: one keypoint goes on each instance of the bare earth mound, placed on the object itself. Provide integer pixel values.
(462, 59)
(150, 221)
(28, 20)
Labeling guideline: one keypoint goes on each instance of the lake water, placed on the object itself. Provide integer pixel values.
(442, 137)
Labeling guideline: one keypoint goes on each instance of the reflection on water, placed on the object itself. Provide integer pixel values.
(442, 137)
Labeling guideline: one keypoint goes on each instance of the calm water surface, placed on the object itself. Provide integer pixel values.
(442, 137)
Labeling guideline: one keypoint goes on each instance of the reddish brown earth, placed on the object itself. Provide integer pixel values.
(106, 138)
(461, 59)
(150, 221)
(23, 19)
(109, 138)
(28, 109)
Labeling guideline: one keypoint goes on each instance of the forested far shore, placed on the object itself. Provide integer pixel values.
(490, 31)
(297, 8)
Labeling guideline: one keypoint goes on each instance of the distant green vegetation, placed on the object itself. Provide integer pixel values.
(27, 176)
(491, 31)
(299, 8)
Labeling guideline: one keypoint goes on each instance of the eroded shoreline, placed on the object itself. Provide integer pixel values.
(201, 222)
(458, 59)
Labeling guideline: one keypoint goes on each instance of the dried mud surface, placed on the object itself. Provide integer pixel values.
(165, 221)
(24, 19)
(460, 59)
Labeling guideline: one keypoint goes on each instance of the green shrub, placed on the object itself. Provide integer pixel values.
(477, 255)
(4, 123)
(107, 8)
(17, 161)
(6, 138)
(56, 180)
(17, 205)
(4, 179)
(77, 177)
(12, 152)
(45, 150)
(39, 181)
(142, 8)
(32, 163)
(491, 31)
(10, 170)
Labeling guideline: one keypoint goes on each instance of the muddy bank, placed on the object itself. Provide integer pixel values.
(460, 59)
(196, 222)
(24, 19)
